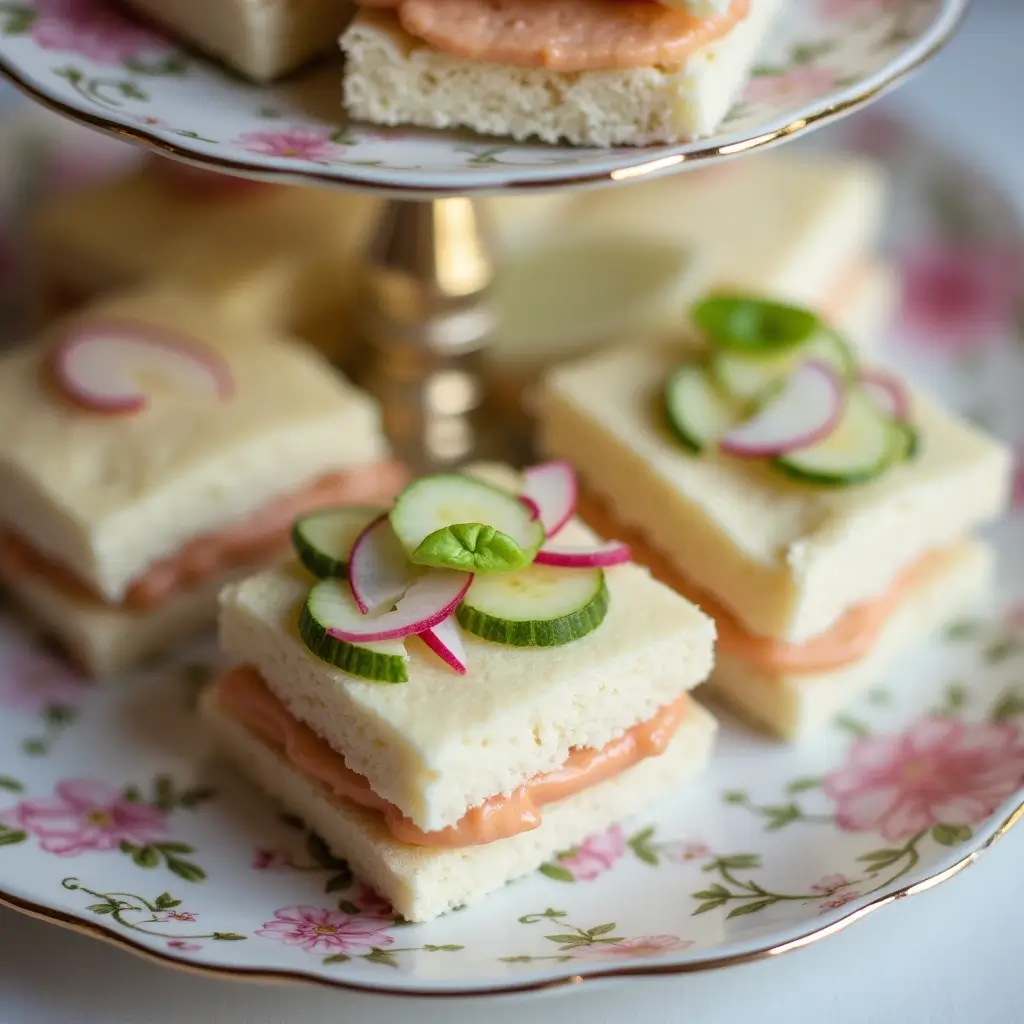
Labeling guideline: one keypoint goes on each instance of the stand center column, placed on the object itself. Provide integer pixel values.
(427, 316)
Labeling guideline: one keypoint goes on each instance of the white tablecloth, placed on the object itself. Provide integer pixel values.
(954, 955)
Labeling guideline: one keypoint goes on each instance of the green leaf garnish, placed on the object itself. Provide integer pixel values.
(471, 547)
(745, 324)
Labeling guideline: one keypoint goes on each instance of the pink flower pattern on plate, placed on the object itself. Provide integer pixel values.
(265, 859)
(596, 855)
(1017, 496)
(957, 298)
(683, 853)
(184, 947)
(830, 884)
(84, 815)
(32, 680)
(175, 915)
(838, 900)
(798, 86)
(93, 29)
(632, 949)
(297, 143)
(939, 771)
(317, 930)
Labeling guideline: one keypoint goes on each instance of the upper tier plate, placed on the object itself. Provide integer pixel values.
(86, 60)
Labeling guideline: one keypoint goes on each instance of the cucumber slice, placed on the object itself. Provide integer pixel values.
(906, 440)
(541, 606)
(860, 449)
(697, 411)
(330, 601)
(747, 377)
(323, 540)
(745, 324)
(430, 506)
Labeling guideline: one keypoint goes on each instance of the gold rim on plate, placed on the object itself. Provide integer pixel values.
(90, 928)
(660, 165)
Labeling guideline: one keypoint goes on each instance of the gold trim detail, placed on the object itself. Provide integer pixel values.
(630, 173)
(90, 928)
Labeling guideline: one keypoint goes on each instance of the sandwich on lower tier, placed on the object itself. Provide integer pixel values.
(819, 510)
(587, 72)
(152, 449)
(625, 264)
(470, 686)
(261, 39)
(282, 256)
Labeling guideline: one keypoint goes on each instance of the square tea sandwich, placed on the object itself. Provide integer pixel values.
(151, 449)
(449, 693)
(820, 510)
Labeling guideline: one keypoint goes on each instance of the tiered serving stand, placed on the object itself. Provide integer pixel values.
(429, 268)
(426, 319)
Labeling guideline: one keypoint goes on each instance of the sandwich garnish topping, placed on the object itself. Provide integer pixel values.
(454, 554)
(780, 386)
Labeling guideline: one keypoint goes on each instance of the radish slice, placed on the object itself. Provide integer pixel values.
(531, 505)
(98, 366)
(445, 641)
(551, 489)
(887, 392)
(430, 599)
(609, 554)
(379, 571)
(807, 409)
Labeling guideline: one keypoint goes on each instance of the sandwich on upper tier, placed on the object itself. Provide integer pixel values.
(151, 449)
(282, 256)
(627, 263)
(587, 72)
(261, 39)
(538, 684)
(819, 510)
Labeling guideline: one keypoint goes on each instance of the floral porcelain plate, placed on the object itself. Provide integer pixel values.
(115, 820)
(88, 60)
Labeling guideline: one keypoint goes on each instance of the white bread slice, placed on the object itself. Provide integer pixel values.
(262, 39)
(393, 78)
(107, 496)
(794, 705)
(786, 559)
(421, 883)
(106, 641)
(786, 223)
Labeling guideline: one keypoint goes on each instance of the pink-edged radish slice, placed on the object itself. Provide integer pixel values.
(612, 553)
(551, 488)
(445, 641)
(531, 505)
(379, 571)
(430, 599)
(807, 409)
(887, 392)
(99, 366)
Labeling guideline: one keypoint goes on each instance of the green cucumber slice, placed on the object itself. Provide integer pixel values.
(860, 449)
(327, 602)
(741, 323)
(697, 411)
(906, 440)
(541, 606)
(323, 540)
(747, 377)
(429, 507)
